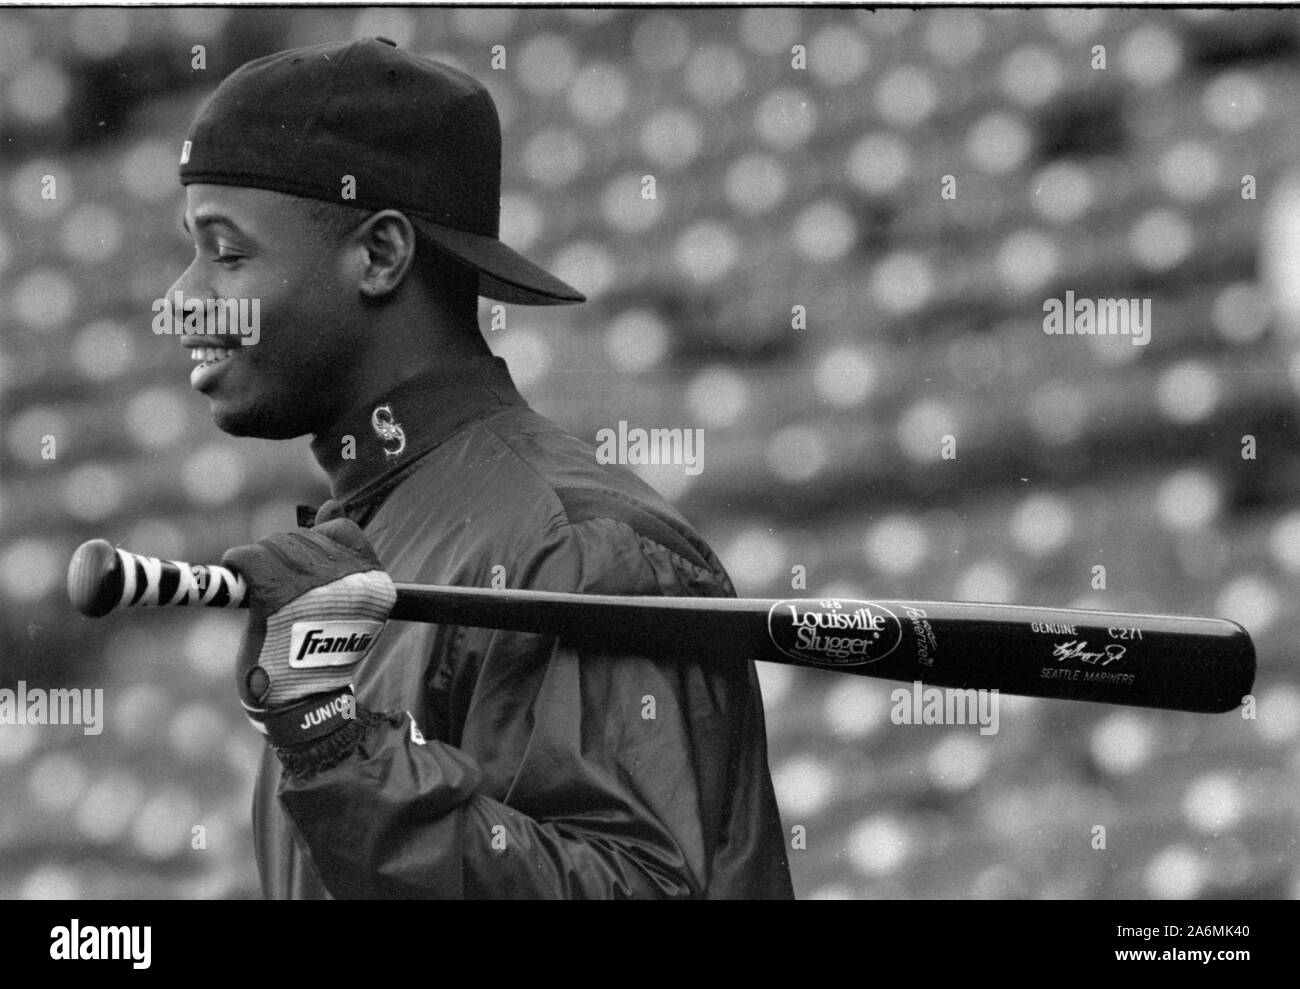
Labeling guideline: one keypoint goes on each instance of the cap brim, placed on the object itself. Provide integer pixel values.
(504, 274)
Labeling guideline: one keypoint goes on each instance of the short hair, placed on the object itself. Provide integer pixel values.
(442, 273)
(334, 220)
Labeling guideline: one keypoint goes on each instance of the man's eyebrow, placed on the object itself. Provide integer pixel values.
(207, 220)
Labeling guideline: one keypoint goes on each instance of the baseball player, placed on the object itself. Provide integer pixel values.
(354, 190)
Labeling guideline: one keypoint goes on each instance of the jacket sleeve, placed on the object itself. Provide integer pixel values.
(574, 774)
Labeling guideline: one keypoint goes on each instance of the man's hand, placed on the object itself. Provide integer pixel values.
(317, 602)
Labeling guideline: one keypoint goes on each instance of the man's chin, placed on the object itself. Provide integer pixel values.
(254, 422)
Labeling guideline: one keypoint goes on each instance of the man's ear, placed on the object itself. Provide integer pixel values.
(387, 243)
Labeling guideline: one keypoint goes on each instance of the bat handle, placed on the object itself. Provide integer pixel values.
(102, 578)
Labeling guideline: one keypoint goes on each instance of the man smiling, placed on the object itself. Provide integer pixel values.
(354, 189)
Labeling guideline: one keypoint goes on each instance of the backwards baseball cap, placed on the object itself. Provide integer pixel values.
(415, 135)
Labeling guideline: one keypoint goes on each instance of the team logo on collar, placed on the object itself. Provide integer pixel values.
(390, 433)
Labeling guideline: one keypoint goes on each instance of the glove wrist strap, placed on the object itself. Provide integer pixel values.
(305, 721)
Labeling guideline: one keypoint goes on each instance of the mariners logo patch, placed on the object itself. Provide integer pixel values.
(314, 644)
(389, 430)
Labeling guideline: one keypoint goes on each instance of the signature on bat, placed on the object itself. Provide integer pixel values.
(1078, 649)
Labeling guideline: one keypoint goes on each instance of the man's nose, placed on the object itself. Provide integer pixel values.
(187, 284)
(183, 282)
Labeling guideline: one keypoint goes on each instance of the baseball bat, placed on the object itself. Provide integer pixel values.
(1163, 661)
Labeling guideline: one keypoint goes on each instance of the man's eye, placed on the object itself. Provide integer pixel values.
(228, 258)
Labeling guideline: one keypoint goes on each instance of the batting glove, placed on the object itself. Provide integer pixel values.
(318, 600)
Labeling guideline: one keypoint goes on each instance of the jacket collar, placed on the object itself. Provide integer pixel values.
(375, 443)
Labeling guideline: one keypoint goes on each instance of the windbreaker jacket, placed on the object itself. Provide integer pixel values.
(502, 764)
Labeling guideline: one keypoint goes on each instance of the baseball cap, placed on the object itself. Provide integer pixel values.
(413, 134)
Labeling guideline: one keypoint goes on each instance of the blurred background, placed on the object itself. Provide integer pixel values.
(778, 185)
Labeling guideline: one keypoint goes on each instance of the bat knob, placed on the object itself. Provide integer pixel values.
(95, 578)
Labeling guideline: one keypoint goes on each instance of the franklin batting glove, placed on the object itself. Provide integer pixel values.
(317, 603)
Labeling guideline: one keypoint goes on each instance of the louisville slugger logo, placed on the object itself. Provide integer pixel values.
(330, 643)
(834, 633)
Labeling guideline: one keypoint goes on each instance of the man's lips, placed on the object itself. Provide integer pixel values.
(190, 341)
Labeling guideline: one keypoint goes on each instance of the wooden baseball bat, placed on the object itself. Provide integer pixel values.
(1163, 661)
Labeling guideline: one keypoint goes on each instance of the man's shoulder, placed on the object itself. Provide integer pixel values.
(529, 488)
(601, 507)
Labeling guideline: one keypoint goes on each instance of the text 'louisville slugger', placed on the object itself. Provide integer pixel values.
(1165, 661)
